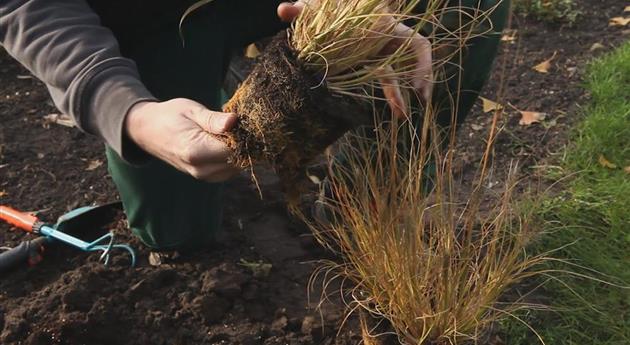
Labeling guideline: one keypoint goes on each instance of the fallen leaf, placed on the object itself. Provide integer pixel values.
(60, 119)
(155, 259)
(476, 127)
(544, 66)
(619, 21)
(509, 36)
(550, 124)
(627, 9)
(316, 180)
(3, 193)
(259, 268)
(596, 46)
(627, 169)
(252, 51)
(530, 117)
(489, 105)
(606, 163)
(94, 165)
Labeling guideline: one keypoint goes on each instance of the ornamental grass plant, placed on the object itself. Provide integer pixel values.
(413, 254)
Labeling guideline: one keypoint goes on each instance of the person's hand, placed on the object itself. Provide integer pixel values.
(179, 132)
(422, 80)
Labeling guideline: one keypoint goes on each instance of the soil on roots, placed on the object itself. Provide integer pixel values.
(287, 117)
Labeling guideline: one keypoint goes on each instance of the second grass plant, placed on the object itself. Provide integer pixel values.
(430, 264)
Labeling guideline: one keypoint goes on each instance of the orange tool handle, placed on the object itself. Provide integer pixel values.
(19, 219)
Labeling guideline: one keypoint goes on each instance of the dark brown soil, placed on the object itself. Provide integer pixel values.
(559, 93)
(286, 116)
(210, 297)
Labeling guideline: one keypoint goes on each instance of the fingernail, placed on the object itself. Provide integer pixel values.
(229, 120)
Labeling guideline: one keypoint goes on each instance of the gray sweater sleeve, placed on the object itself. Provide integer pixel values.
(62, 43)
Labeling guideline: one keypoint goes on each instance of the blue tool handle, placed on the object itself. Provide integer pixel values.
(49, 231)
(28, 252)
(103, 244)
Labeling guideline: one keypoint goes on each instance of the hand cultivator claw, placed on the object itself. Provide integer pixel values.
(106, 249)
(79, 219)
(94, 246)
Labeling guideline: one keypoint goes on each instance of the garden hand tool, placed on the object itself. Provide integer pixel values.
(84, 217)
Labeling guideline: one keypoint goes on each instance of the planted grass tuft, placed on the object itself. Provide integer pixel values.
(419, 264)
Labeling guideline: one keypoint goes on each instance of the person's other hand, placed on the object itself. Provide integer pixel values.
(422, 80)
(179, 132)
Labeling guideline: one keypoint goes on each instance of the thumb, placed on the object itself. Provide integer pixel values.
(213, 121)
(289, 11)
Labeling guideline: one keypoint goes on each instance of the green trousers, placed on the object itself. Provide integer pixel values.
(168, 209)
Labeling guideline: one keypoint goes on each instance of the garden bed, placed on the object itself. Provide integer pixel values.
(212, 297)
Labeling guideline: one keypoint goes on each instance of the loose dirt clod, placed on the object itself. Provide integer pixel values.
(287, 116)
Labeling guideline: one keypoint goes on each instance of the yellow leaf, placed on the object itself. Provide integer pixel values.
(489, 105)
(606, 163)
(627, 169)
(597, 46)
(60, 119)
(252, 51)
(316, 180)
(509, 36)
(94, 165)
(531, 117)
(619, 21)
(544, 66)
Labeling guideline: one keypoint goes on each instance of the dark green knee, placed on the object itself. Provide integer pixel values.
(467, 72)
(166, 208)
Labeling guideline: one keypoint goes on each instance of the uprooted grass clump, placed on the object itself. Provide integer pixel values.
(305, 90)
(292, 107)
(284, 120)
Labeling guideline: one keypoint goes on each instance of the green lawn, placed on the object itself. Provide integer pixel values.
(548, 10)
(593, 212)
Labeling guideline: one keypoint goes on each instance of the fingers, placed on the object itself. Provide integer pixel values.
(208, 148)
(288, 11)
(392, 92)
(214, 173)
(423, 71)
(212, 121)
(206, 156)
(422, 76)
